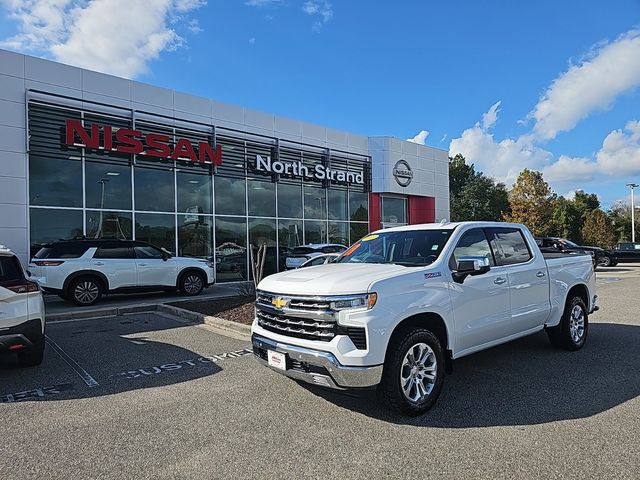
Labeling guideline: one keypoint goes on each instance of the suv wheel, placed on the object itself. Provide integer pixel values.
(192, 283)
(604, 262)
(33, 356)
(571, 333)
(85, 291)
(413, 372)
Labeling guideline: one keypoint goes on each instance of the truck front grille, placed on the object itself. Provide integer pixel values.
(310, 318)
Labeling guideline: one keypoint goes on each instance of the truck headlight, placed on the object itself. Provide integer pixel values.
(358, 301)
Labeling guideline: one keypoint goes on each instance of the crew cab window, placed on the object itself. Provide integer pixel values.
(473, 243)
(113, 251)
(147, 251)
(509, 246)
(10, 271)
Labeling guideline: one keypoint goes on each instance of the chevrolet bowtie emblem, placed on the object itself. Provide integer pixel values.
(279, 302)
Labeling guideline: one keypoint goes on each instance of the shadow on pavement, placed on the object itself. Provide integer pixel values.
(525, 382)
(119, 354)
(614, 269)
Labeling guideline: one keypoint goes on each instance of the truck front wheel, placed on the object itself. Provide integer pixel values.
(413, 372)
(571, 333)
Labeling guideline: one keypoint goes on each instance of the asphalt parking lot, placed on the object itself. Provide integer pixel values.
(150, 396)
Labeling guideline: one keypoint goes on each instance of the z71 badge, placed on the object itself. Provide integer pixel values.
(432, 274)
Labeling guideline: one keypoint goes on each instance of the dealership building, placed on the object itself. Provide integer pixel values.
(88, 154)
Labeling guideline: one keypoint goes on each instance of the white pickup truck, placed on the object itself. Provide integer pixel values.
(400, 304)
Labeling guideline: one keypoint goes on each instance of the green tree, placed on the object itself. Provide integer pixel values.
(473, 195)
(566, 220)
(620, 216)
(598, 230)
(531, 201)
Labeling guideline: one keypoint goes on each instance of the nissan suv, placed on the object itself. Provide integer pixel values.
(83, 270)
(21, 312)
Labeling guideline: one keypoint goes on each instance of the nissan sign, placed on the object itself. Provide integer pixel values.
(402, 173)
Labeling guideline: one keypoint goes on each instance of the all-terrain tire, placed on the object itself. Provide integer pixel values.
(571, 333)
(391, 391)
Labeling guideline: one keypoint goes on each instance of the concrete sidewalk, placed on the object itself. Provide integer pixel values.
(57, 307)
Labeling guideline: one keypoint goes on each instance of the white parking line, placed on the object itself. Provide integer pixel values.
(84, 375)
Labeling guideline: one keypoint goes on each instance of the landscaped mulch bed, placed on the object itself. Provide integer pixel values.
(236, 309)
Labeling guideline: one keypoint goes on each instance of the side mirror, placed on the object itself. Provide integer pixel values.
(470, 265)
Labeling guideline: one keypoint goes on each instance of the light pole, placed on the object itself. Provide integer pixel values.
(102, 182)
(633, 212)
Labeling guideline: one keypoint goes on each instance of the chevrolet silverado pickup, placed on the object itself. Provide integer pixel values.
(401, 304)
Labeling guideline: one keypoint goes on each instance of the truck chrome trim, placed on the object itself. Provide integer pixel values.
(339, 376)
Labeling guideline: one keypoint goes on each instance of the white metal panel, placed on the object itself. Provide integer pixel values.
(103, 84)
(11, 63)
(45, 71)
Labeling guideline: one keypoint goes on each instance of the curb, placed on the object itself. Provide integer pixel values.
(194, 317)
(217, 322)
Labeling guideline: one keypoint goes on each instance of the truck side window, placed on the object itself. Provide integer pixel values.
(473, 243)
(509, 246)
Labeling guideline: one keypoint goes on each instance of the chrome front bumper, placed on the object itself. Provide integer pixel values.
(316, 367)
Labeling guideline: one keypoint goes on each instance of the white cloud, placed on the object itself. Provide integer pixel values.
(489, 118)
(570, 169)
(610, 70)
(95, 34)
(420, 138)
(323, 11)
(618, 157)
(504, 159)
(262, 3)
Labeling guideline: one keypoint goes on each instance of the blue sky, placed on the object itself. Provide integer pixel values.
(562, 77)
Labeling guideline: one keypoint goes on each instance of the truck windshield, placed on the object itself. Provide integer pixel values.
(410, 248)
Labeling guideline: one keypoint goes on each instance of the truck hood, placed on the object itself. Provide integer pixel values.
(331, 279)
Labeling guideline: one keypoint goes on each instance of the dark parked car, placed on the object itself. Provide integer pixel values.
(601, 257)
(627, 252)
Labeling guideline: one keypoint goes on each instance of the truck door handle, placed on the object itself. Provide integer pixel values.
(99, 263)
(499, 280)
(142, 264)
(540, 274)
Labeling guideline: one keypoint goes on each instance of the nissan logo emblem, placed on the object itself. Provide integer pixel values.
(402, 173)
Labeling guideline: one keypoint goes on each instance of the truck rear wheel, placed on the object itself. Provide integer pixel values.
(413, 372)
(571, 333)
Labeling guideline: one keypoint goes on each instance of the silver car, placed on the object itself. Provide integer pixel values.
(299, 255)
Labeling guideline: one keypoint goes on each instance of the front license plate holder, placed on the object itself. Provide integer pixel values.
(277, 360)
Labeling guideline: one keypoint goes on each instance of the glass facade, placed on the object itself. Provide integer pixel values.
(225, 212)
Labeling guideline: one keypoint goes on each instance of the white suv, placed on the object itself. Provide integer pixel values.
(21, 312)
(82, 270)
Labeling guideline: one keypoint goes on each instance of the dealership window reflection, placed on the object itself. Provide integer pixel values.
(154, 190)
(358, 207)
(195, 236)
(101, 224)
(157, 229)
(262, 233)
(230, 196)
(262, 198)
(55, 182)
(108, 186)
(231, 249)
(289, 200)
(194, 192)
(315, 202)
(48, 225)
